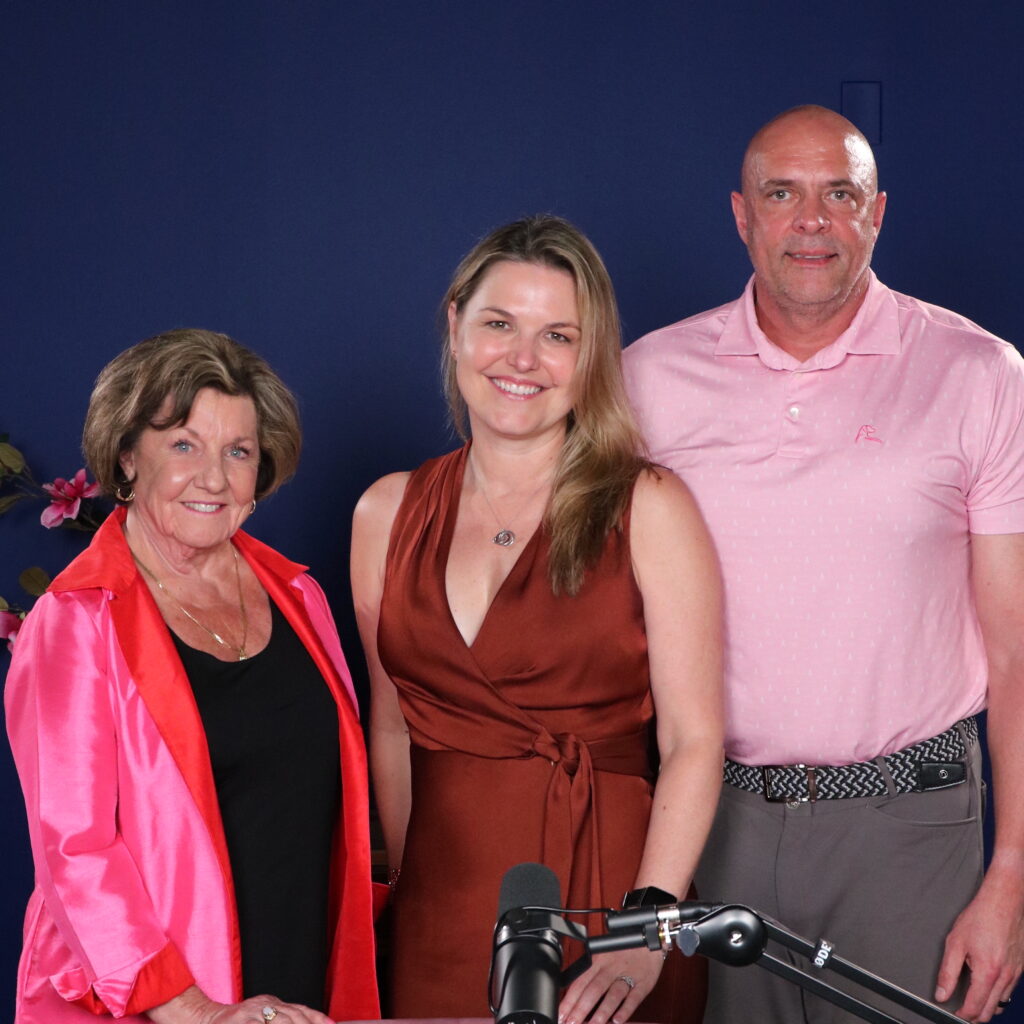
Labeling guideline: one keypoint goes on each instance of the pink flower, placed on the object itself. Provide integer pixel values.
(9, 626)
(66, 498)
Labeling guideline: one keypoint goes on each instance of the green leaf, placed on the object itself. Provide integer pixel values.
(8, 500)
(74, 524)
(11, 458)
(34, 581)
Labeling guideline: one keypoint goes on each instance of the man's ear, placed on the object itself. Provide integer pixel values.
(739, 212)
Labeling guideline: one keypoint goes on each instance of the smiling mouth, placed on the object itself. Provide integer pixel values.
(519, 390)
(200, 506)
(811, 258)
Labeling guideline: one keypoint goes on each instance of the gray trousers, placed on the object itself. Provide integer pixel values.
(881, 878)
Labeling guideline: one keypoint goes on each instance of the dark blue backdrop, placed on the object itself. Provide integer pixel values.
(304, 175)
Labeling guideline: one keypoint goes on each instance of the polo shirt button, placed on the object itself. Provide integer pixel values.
(794, 412)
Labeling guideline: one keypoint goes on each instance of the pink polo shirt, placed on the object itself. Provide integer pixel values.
(841, 494)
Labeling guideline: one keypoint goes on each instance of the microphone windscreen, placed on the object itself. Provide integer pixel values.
(529, 885)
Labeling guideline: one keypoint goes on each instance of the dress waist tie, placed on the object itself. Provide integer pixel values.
(570, 845)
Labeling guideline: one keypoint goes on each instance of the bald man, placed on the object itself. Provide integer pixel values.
(859, 458)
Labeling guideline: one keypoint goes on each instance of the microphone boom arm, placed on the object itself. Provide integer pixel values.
(736, 935)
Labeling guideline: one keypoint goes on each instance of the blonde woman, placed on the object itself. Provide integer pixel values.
(526, 603)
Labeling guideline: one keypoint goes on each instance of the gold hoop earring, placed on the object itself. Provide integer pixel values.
(125, 498)
(252, 507)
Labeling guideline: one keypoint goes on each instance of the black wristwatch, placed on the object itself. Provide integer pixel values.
(649, 896)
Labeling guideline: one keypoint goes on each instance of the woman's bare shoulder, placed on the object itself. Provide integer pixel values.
(382, 498)
(659, 491)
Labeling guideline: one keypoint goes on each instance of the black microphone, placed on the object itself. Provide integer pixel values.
(527, 961)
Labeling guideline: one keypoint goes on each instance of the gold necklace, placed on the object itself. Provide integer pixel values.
(240, 650)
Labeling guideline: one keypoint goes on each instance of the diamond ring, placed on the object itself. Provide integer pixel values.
(631, 982)
(269, 1013)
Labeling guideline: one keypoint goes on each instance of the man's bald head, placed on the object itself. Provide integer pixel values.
(809, 122)
(809, 214)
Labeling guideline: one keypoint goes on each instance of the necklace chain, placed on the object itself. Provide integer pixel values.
(240, 649)
(505, 537)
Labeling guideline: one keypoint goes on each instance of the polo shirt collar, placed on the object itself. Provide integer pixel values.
(875, 330)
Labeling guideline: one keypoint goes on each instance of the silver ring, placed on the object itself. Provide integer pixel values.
(631, 982)
(269, 1013)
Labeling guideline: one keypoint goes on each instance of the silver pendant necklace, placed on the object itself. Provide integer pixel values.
(505, 537)
(240, 649)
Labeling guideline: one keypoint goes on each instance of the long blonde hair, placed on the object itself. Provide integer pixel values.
(603, 452)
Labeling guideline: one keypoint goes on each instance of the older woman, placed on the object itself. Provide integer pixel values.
(526, 602)
(185, 729)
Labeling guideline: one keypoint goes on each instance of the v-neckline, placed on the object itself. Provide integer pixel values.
(448, 532)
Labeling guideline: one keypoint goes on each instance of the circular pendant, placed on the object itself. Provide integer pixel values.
(504, 538)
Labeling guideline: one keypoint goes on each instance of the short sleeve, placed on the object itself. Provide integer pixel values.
(995, 500)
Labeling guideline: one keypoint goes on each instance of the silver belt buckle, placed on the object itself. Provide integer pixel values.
(766, 778)
(811, 778)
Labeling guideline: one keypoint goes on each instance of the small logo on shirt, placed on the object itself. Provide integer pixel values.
(867, 433)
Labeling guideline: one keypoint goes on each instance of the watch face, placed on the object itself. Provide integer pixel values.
(650, 896)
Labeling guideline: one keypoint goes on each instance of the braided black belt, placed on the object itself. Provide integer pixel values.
(931, 764)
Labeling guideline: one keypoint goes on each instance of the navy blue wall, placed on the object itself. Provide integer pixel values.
(304, 175)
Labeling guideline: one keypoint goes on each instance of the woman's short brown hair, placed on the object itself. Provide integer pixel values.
(132, 389)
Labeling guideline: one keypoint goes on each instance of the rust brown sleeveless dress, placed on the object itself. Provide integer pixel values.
(534, 744)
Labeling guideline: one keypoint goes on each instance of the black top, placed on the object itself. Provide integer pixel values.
(272, 729)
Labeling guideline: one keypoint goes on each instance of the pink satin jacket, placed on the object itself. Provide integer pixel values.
(134, 899)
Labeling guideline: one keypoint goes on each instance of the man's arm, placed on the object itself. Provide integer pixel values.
(989, 935)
